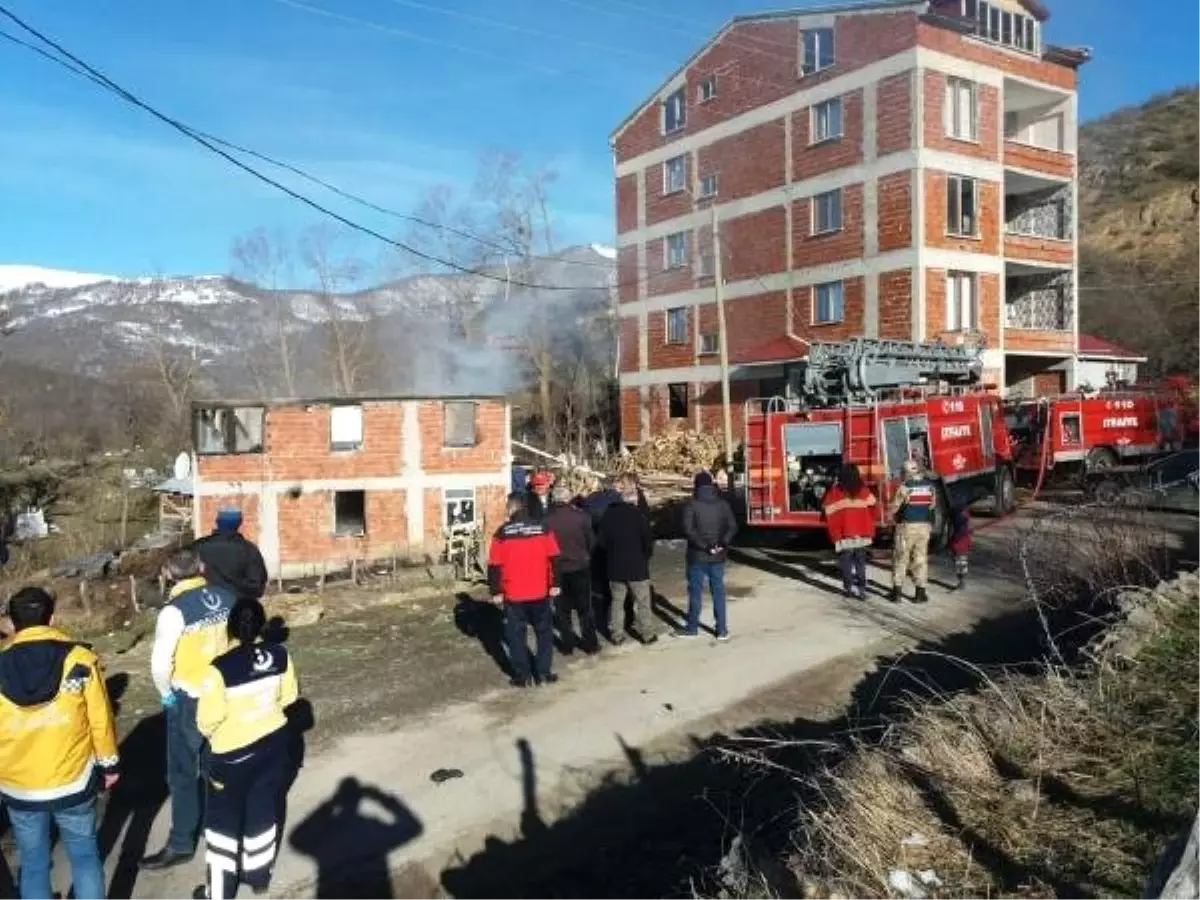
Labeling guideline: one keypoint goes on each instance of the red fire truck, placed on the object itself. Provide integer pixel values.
(876, 404)
(1077, 432)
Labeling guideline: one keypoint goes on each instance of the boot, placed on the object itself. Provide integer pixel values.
(921, 597)
(960, 583)
(895, 595)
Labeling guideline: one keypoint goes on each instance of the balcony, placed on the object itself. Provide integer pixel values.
(1039, 309)
(1039, 130)
(1038, 220)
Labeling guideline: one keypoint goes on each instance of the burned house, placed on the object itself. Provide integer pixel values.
(325, 482)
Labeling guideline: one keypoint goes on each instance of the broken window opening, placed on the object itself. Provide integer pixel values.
(350, 513)
(460, 507)
(458, 429)
(231, 429)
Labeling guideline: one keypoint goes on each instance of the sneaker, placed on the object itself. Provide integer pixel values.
(653, 639)
(684, 633)
(723, 638)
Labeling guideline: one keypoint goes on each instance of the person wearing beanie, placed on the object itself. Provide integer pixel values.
(537, 501)
(912, 513)
(230, 560)
(709, 527)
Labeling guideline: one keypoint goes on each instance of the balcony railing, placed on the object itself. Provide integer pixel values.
(1042, 214)
(1040, 302)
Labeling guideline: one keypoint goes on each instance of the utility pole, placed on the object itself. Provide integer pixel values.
(722, 335)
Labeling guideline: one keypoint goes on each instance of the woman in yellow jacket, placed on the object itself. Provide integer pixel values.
(240, 711)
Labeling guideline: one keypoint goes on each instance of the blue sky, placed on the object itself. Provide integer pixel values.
(402, 100)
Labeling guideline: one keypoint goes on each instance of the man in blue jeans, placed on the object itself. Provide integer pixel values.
(190, 634)
(58, 746)
(709, 527)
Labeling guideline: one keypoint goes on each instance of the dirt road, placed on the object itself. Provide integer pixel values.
(403, 691)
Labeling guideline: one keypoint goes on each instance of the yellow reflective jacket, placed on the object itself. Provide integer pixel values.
(190, 634)
(56, 724)
(243, 695)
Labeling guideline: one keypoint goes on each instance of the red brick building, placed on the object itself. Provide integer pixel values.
(898, 169)
(324, 482)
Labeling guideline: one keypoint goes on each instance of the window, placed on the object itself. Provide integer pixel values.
(816, 50)
(674, 174)
(1012, 125)
(1072, 429)
(677, 250)
(345, 427)
(993, 31)
(1008, 28)
(961, 218)
(961, 308)
(829, 302)
(459, 504)
(677, 325)
(827, 212)
(960, 109)
(458, 425)
(827, 120)
(708, 88)
(228, 430)
(674, 112)
(349, 513)
(677, 401)
(708, 265)
(708, 186)
(709, 344)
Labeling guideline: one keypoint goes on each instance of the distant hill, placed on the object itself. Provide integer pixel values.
(1138, 171)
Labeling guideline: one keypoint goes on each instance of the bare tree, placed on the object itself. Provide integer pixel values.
(173, 361)
(265, 261)
(334, 271)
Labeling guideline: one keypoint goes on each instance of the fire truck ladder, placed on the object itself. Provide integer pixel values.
(859, 369)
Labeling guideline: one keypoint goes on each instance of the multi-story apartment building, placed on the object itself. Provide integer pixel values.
(897, 169)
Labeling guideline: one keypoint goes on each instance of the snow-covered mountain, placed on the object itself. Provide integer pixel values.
(98, 327)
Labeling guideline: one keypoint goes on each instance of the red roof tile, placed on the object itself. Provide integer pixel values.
(782, 349)
(1090, 345)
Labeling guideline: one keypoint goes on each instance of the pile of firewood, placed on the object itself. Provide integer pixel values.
(681, 452)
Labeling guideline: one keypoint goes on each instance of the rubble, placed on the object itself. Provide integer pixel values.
(678, 452)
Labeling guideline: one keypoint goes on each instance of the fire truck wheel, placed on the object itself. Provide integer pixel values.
(1005, 498)
(1101, 458)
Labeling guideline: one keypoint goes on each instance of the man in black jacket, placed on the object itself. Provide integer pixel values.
(573, 529)
(709, 526)
(232, 561)
(624, 533)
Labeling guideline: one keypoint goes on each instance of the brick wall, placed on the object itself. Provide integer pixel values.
(895, 211)
(1016, 339)
(711, 415)
(660, 279)
(809, 159)
(1012, 63)
(852, 324)
(627, 274)
(707, 323)
(895, 304)
(662, 355)
(988, 199)
(746, 163)
(893, 114)
(631, 415)
(754, 321)
(661, 206)
(755, 244)
(816, 249)
(306, 528)
(629, 343)
(1037, 159)
(486, 456)
(1049, 250)
(987, 111)
(627, 204)
(987, 287)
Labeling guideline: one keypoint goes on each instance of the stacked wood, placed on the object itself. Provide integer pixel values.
(679, 452)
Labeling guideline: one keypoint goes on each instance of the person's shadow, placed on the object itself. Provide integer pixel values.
(351, 847)
(140, 793)
(484, 622)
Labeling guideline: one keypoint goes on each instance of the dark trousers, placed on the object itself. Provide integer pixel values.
(184, 743)
(854, 568)
(241, 828)
(576, 597)
(518, 618)
(697, 573)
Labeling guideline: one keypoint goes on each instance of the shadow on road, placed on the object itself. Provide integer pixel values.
(484, 622)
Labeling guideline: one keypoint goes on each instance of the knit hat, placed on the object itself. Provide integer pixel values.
(702, 479)
(229, 519)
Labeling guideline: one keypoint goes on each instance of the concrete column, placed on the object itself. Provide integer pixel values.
(414, 491)
(268, 529)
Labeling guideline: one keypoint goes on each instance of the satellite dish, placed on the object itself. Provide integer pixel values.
(183, 465)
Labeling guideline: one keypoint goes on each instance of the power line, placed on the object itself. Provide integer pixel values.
(103, 80)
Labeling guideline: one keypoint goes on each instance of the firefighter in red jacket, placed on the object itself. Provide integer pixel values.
(849, 508)
(523, 576)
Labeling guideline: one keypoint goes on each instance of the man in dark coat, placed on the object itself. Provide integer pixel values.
(537, 499)
(624, 533)
(573, 529)
(230, 560)
(709, 526)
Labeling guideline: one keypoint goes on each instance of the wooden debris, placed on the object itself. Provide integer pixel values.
(679, 452)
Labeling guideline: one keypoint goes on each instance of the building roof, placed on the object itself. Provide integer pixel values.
(348, 400)
(782, 349)
(1095, 347)
(860, 6)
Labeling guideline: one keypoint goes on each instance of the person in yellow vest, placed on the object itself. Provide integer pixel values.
(243, 696)
(190, 634)
(58, 745)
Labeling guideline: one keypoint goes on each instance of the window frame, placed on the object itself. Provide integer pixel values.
(349, 531)
(679, 338)
(668, 265)
(337, 446)
(815, 118)
(446, 437)
(672, 400)
(678, 96)
(954, 306)
(667, 190)
(707, 89)
(840, 284)
(953, 109)
(701, 194)
(229, 446)
(716, 344)
(706, 265)
(960, 179)
(474, 498)
(805, 68)
(815, 204)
